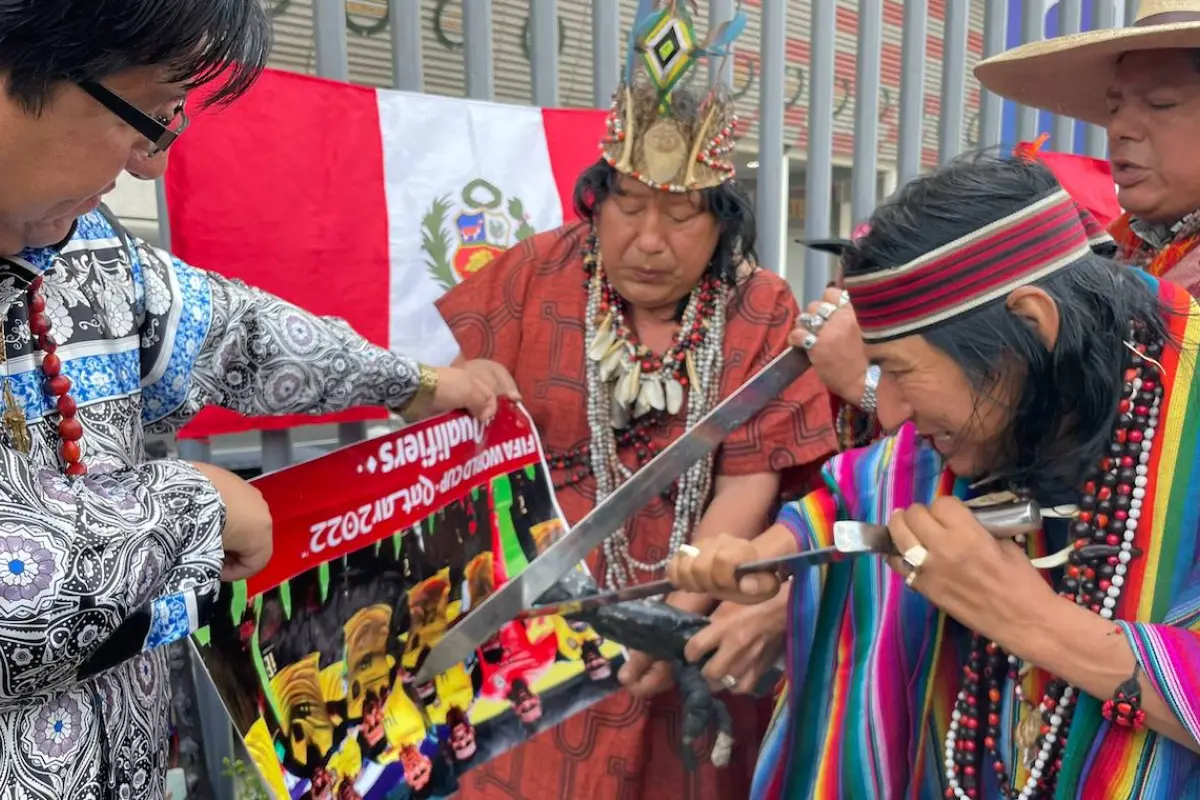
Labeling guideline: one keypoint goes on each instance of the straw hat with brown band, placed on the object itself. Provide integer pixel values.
(1069, 75)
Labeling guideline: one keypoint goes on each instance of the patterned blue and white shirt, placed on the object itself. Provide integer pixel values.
(98, 573)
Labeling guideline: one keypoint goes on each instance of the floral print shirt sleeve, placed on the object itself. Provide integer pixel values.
(96, 570)
(207, 339)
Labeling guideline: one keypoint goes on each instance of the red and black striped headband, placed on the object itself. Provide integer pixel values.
(975, 270)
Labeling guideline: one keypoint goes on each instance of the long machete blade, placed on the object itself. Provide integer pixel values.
(523, 591)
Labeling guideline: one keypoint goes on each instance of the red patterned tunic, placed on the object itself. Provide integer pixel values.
(525, 310)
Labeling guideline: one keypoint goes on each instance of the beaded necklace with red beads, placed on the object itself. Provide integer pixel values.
(1103, 535)
(626, 382)
(56, 385)
(676, 366)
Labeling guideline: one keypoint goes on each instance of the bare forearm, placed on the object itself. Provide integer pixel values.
(740, 506)
(1090, 653)
(776, 541)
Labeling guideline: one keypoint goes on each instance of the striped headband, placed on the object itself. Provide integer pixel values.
(975, 270)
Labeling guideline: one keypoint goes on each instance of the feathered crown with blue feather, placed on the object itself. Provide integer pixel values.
(667, 128)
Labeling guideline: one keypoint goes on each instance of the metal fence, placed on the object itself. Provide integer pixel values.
(954, 112)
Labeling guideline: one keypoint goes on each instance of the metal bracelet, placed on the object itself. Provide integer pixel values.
(870, 397)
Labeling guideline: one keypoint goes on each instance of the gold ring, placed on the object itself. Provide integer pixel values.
(689, 550)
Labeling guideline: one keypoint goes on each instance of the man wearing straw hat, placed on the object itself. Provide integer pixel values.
(1142, 84)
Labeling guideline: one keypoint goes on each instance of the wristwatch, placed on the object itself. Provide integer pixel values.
(870, 398)
(418, 405)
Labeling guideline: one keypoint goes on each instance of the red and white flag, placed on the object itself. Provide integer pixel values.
(367, 204)
(1088, 180)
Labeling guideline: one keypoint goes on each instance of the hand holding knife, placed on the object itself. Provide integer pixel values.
(514, 598)
(851, 540)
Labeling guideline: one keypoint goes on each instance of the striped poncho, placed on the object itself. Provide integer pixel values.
(874, 668)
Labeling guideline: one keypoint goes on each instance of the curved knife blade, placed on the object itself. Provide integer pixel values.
(523, 591)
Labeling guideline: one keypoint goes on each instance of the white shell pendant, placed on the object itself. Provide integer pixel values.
(628, 386)
(693, 376)
(641, 406)
(612, 361)
(674, 396)
(654, 393)
(603, 340)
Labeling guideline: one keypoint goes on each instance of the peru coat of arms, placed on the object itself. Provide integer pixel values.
(459, 239)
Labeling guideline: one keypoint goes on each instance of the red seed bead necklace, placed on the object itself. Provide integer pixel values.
(57, 385)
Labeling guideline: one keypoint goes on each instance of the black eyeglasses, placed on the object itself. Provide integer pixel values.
(160, 131)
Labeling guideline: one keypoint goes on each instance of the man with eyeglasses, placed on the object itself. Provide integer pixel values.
(104, 555)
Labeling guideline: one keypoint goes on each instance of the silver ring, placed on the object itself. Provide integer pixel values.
(810, 341)
(689, 550)
(825, 310)
(813, 323)
(843, 299)
(915, 556)
(729, 682)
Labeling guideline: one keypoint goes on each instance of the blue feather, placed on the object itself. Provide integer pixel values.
(736, 26)
(718, 45)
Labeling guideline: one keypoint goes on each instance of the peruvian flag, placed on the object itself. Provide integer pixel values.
(367, 204)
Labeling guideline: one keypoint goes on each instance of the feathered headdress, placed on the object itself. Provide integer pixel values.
(667, 128)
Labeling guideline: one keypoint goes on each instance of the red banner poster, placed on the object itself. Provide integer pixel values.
(379, 548)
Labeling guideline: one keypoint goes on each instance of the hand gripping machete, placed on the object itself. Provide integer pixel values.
(851, 539)
(524, 590)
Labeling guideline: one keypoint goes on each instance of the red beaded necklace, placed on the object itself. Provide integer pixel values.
(674, 360)
(576, 463)
(56, 385)
(1103, 536)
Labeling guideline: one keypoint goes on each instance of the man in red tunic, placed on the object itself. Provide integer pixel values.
(617, 333)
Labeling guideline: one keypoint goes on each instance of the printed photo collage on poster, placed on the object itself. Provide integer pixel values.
(317, 669)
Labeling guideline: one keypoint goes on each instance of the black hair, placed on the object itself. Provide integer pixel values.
(728, 202)
(44, 43)
(1062, 420)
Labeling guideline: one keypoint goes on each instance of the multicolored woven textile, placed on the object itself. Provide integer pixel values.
(874, 668)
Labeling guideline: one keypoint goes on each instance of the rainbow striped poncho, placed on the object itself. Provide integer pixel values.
(874, 667)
